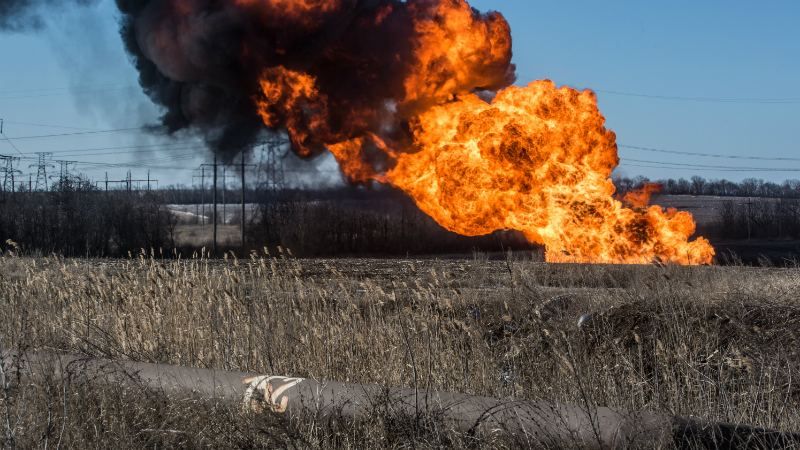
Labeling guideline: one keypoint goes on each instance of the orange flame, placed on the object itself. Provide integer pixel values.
(535, 159)
(639, 198)
(284, 90)
(454, 51)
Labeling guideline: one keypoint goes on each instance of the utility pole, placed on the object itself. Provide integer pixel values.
(197, 205)
(215, 206)
(202, 206)
(215, 219)
(224, 204)
(244, 187)
(149, 181)
(127, 181)
(140, 182)
(203, 193)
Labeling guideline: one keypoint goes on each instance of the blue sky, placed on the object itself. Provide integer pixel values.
(716, 50)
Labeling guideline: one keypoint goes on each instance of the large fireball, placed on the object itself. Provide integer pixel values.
(537, 159)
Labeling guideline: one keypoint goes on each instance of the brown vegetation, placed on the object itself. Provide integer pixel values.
(78, 220)
(721, 343)
(391, 225)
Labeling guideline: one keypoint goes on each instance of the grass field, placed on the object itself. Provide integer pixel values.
(716, 342)
(198, 236)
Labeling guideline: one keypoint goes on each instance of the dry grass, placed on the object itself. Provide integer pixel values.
(197, 236)
(716, 342)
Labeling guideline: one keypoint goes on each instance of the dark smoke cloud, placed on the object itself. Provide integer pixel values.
(202, 60)
(24, 15)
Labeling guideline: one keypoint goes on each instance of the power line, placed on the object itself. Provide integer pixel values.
(78, 133)
(28, 124)
(148, 163)
(57, 94)
(143, 164)
(129, 152)
(704, 166)
(7, 139)
(63, 88)
(178, 146)
(709, 155)
(90, 132)
(12, 144)
(156, 159)
(166, 146)
(132, 166)
(622, 165)
(767, 101)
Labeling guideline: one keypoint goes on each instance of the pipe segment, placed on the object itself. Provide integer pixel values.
(534, 423)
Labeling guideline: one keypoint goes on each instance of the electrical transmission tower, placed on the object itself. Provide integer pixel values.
(41, 170)
(64, 177)
(273, 166)
(9, 173)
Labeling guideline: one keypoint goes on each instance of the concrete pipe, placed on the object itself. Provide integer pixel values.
(533, 423)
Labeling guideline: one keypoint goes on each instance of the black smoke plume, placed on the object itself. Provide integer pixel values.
(203, 61)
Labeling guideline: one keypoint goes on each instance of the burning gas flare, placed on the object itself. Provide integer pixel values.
(536, 159)
(417, 94)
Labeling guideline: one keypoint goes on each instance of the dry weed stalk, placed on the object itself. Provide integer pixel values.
(717, 342)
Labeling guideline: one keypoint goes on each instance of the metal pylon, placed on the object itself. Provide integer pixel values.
(8, 173)
(41, 170)
(272, 156)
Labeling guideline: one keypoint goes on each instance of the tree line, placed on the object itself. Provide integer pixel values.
(77, 219)
(353, 221)
(697, 185)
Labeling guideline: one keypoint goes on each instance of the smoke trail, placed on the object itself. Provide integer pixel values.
(24, 15)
